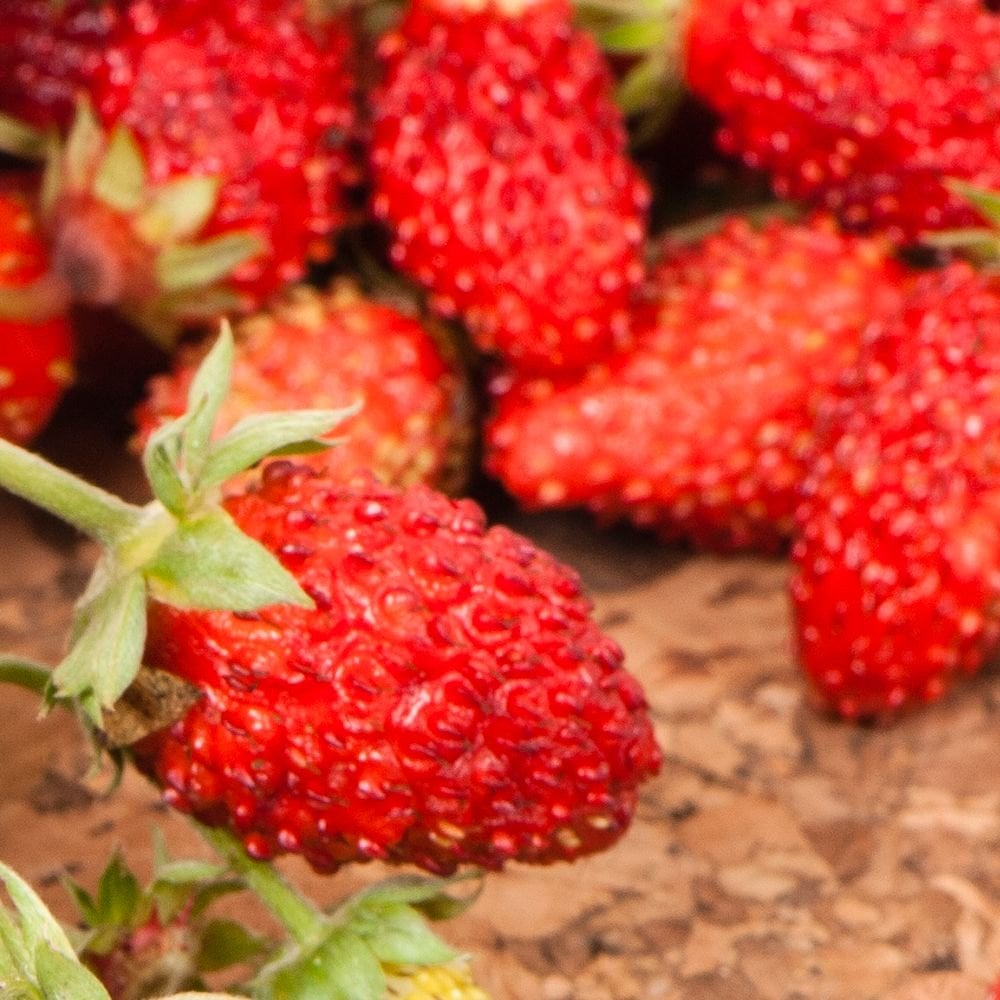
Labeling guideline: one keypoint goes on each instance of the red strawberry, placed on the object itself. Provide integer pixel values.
(448, 701)
(897, 567)
(499, 163)
(701, 429)
(47, 51)
(216, 165)
(314, 350)
(863, 107)
(36, 355)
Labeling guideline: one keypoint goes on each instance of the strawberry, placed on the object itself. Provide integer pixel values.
(36, 344)
(449, 701)
(498, 162)
(701, 430)
(390, 680)
(897, 564)
(862, 107)
(413, 423)
(47, 51)
(184, 187)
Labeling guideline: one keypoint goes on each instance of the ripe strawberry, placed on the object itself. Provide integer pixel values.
(897, 567)
(498, 161)
(700, 431)
(47, 51)
(414, 423)
(186, 187)
(448, 701)
(863, 107)
(35, 353)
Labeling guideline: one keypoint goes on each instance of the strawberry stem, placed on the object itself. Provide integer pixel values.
(25, 674)
(293, 911)
(95, 512)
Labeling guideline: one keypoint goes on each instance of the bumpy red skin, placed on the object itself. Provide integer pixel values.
(897, 565)
(862, 107)
(314, 351)
(36, 358)
(251, 92)
(449, 700)
(47, 53)
(499, 162)
(701, 431)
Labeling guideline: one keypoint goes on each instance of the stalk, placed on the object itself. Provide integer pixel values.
(25, 674)
(293, 911)
(95, 512)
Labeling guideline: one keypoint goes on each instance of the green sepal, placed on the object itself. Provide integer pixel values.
(984, 201)
(179, 208)
(119, 895)
(120, 178)
(15, 958)
(261, 435)
(19, 990)
(161, 459)
(194, 265)
(208, 389)
(82, 148)
(21, 139)
(107, 650)
(342, 967)
(63, 978)
(634, 37)
(208, 563)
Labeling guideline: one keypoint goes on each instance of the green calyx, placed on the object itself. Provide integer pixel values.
(981, 244)
(137, 247)
(647, 38)
(182, 548)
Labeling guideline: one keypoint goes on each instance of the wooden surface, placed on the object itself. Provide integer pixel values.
(781, 855)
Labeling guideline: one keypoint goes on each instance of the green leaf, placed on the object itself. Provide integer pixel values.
(85, 903)
(185, 204)
(396, 933)
(263, 434)
(206, 395)
(225, 943)
(64, 978)
(119, 894)
(209, 563)
(106, 655)
(343, 967)
(195, 265)
(120, 180)
(984, 201)
(428, 895)
(644, 86)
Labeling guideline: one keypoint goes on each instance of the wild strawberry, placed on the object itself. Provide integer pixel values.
(701, 430)
(310, 349)
(897, 566)
(47, 51)
(393, 680)
(448, 701)
(185, 188)
(498, 161)
(863, 107)
(36, 345)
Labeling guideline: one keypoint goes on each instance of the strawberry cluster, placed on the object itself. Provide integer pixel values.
(422, 215)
